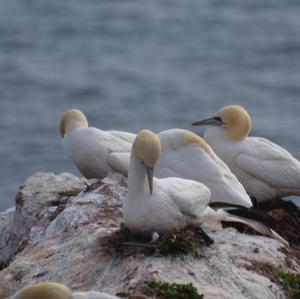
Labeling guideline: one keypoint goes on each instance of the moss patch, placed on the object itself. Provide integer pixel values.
(291, 283)
(123, 295)
(191, 239)
(165, 290)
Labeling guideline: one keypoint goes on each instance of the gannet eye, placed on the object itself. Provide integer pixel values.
(218, 118)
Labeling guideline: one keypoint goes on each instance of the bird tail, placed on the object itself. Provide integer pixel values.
(257, 226)
(255, 219)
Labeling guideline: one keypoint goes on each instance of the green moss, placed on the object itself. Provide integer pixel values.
(123, 295)
(188, 240)
(172, 290)
(291, 282)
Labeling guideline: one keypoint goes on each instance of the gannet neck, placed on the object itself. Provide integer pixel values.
(237, 121)
(47, 290)
(215, 134)
(137, 178)
(72, 119)
(145, 153)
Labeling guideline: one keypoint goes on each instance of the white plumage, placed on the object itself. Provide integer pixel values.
(174, 202)
(186, 155)
(266, 170)
(162, 205)
(89, 148)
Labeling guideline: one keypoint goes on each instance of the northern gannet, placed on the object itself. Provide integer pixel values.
(266, 170)
(90, 149)
(162, 205)
(159, 205)
(51, 290)
(188, 156)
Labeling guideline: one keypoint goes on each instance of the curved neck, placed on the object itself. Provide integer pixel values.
(213, 135)
(137, 177)
(73, 126)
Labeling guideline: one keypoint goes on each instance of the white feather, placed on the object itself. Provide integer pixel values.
(173, 204)
(191, 161)
(194, 162)
(90, 148)
(266, 170)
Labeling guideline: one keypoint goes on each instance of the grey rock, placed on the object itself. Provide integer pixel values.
(33, 205)
(67, 243)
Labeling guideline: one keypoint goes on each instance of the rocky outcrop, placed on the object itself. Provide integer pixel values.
(36, 201)
(59, 231)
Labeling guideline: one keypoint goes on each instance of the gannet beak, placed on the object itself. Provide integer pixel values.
(150, 178)
(212, 121)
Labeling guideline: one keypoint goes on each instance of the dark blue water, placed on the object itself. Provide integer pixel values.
(140, 64)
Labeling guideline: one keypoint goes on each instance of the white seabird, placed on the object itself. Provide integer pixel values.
(92, 150)
(162, 205)
(51, 290)
(159, 205)
(266, 170)
(186, 155)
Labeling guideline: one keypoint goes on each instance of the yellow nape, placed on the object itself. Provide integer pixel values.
(45, 290)
(146, 146)
(69, 117)
(237, 120)
(185, 137)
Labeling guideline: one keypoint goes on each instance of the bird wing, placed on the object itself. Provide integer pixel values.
(119, 162)
(194, 163)
(190, 197)
(126, 136)
(270, 163)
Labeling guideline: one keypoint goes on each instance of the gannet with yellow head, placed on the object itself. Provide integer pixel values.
(52, 290)
(188, 156)
(266, 170)
(159, 204)
(165, 204)
(92, 150)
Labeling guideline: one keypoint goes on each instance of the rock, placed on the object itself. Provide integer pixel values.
(40, 195)
(60, 230)
(6, 223)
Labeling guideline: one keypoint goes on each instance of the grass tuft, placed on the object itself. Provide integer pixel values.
(291, 283)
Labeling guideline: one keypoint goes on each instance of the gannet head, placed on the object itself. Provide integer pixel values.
(45, 290)
(72, 118)
(146, 147)
(233, 118)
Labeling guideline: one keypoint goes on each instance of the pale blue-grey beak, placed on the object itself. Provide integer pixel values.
(212, 121)
(150, 174)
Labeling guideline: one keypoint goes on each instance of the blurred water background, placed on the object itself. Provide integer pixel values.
(140, 64)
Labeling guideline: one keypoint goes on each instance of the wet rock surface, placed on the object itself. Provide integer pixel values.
(59, 231)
